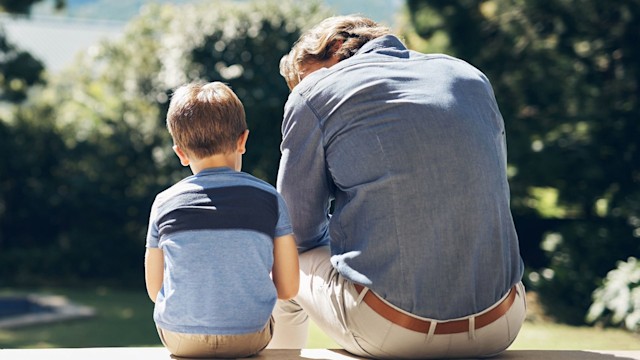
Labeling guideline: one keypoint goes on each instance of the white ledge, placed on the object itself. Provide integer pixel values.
(144, 353)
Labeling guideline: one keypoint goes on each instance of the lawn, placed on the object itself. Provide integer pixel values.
(546, 336)
(124, 319)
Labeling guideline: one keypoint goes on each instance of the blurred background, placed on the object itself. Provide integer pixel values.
(84, 89)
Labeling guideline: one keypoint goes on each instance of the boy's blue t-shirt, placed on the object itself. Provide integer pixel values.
(216, 229)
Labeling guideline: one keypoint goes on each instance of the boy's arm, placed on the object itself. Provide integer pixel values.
(153, 271)
(286, 271)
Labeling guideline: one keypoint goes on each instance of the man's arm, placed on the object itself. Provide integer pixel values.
(153, 271)
(302, 177)
(285, 272)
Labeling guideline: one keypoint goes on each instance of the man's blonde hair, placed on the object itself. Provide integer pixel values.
(341, 36)
(205, 119)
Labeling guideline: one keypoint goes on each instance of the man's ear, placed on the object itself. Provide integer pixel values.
(184, 159)
(242, 142)
(337, 45)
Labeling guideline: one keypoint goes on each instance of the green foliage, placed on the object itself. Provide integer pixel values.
(18, 71)
(618, 299)
(566, 77)
(91, 147)
(24, 6)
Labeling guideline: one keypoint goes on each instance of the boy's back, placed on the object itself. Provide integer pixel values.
(220, 246)
(216, 229)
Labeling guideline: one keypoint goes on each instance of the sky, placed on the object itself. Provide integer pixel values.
(378, 10)
(56, 38)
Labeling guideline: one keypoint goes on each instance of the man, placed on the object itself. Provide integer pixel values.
(394, 170)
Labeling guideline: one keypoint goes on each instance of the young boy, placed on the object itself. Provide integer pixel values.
(220, 248)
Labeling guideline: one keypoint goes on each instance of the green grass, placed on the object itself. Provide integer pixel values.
(553, 336)
(541, 335)
(124, 318)
(547, 336)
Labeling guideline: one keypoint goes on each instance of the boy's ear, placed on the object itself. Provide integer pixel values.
(184, 159)
(242, 142)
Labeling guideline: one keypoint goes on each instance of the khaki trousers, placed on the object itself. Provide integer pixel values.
(333, 303)
(216, 346)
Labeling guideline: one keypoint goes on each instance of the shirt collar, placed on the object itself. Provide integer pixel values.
(390, 42)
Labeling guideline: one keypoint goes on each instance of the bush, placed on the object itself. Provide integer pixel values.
(617, 301)
(90, 150)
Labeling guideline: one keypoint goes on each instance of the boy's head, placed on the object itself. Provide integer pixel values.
(205, 119)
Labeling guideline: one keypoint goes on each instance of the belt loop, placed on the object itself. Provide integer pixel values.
(472, 328)
(432, 331)
(361, 295)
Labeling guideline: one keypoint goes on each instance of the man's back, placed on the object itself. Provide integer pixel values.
(415, 149)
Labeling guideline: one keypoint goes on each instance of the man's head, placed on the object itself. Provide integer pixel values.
(334, 39)
(205, 119)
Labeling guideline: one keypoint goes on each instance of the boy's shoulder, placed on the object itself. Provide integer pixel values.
(215, 179)
(256, 181)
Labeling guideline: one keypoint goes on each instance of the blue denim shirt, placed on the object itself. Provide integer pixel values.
(411, 150)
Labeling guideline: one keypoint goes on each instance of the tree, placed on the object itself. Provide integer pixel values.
(566, 76)
(18, 71)
(24, 6)
(104, 149)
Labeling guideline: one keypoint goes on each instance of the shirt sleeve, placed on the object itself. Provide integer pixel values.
(152, 231)
(303, 180)
(284, 220)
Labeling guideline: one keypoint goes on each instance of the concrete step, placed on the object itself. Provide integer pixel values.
(152, 353)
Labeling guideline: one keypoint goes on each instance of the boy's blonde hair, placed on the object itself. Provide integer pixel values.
(342, 36)
(205, 119)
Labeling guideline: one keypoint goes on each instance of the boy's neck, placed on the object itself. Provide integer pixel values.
(215, 161)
